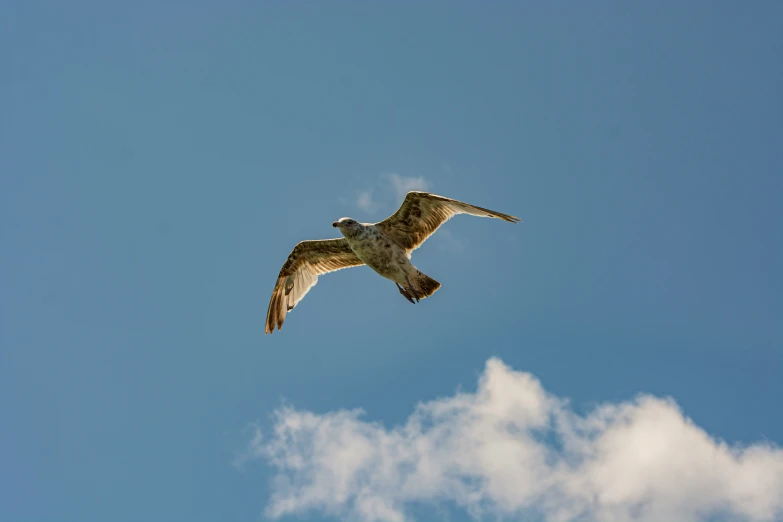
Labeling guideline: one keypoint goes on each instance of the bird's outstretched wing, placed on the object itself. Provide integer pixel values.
(422, 213)
(299, 274)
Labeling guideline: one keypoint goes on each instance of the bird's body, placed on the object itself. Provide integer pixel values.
(375, 250)
(385, 257)
(385, 247)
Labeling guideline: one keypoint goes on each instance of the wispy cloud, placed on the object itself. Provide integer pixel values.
(364, 200)
(404, 184)
(391, 185)
(513, 449)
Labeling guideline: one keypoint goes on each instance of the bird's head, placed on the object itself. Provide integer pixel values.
(347, 225)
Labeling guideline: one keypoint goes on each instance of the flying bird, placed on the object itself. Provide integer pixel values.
(385, 247)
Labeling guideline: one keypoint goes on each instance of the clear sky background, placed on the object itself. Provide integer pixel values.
(159, 160)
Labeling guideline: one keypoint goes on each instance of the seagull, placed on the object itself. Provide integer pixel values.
(385, 247)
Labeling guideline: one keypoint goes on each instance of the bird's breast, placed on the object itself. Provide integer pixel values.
(378, 252)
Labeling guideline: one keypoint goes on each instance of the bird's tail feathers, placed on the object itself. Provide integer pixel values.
(424, 285)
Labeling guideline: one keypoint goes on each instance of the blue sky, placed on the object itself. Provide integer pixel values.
(159, 161)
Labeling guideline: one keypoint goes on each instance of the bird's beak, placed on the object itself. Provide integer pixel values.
(334, 224)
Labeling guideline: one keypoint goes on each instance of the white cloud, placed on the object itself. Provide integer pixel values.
(364, 201)
(404, 184)
(394, 183)
(513, 450)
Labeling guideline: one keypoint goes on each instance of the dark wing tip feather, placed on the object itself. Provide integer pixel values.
(273, 319)
(506, 217)
(276, 313)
